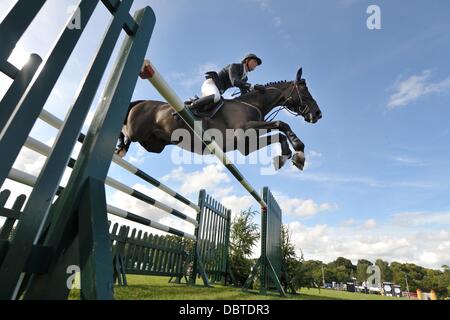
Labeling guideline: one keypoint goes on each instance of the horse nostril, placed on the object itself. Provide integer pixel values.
(319, 115)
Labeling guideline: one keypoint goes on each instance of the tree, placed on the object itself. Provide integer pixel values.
(289, 258)
(243, 237)
(435, 280)
(302, 276)
(361, 270)
(341, 261)
(316, 275)
(342, 274)
(341, 270)
(287, 247)
(386, 273)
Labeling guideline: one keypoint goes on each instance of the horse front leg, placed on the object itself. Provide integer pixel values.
(299, 157)
(262, 128)
(248, 147)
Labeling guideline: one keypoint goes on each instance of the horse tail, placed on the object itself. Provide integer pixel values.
(132, 104)
(124, 141)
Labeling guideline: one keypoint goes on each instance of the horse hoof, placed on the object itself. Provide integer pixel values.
(279, 161)
(121, 152)
(299, 160)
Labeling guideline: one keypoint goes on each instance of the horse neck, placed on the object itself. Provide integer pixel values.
(267, 101)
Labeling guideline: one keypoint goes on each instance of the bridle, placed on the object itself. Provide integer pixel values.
(286, 104)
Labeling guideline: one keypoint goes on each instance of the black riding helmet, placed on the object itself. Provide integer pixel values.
(252, 56)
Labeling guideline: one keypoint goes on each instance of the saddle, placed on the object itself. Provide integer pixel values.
(205, 112)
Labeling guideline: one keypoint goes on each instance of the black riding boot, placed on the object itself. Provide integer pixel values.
(200, 104)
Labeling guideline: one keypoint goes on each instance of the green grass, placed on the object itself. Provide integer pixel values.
(158, 288)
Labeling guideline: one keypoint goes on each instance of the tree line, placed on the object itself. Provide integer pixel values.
(303, 273)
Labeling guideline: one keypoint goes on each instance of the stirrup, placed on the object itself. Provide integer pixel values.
(191, 100)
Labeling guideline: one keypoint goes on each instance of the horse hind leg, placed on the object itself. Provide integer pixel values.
(123, 145)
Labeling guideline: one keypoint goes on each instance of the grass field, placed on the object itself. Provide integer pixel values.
(158, 288)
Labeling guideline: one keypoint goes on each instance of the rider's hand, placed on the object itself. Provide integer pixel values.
(260, 88)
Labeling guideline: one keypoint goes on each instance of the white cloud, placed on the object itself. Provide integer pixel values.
(194, 77)
(326, 178)
(298, 207)
(131, 204)
(139, 156)
(326, 243)
(211, 177)
(29, 161)
(277, 21)
(312, 160)
(408, 161)
(16, 190)
(414, 87)
(429, 257)
(209, 66)
(5, 7)
(238, 203)
(348, 222)
(264, 5)
(415, 219)
(370, 224)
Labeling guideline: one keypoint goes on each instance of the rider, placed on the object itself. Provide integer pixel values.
(233, 75)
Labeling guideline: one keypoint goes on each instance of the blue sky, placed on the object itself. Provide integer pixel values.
(377, 178)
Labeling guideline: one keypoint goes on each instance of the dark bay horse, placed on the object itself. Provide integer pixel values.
(154, 126)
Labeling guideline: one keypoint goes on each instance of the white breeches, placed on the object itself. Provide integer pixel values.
(209, 88)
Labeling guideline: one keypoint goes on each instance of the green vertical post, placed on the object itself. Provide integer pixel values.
(198, 267)
(226, 262)
(26, 112)
(15, 24)
(18, 88)
(97, 151)
(263, 274)
(95, 248)
(40, 200)
(270, 247)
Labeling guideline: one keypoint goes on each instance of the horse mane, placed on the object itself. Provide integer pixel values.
(255, 93)
(269, 84)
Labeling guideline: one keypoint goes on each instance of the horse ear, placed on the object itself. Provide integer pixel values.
(299, 74)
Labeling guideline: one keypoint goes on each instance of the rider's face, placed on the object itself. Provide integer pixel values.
(252, 64)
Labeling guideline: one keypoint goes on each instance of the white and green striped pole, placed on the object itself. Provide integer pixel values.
(30, 180)
(45, 150)
(57, 124)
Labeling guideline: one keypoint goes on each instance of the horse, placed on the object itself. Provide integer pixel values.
(153, 123)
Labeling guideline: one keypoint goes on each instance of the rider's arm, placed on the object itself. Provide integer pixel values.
(235, 73)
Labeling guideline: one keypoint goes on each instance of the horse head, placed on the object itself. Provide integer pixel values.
(299, 100)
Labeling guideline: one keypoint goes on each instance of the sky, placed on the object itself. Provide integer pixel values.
(377, 178)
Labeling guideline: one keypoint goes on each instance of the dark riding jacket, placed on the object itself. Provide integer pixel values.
(233, 75)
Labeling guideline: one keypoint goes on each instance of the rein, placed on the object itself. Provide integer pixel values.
(282, 106)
